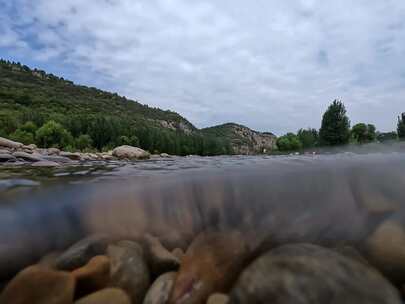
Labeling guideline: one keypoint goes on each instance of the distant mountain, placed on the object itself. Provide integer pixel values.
(32, 95)
(242, 139)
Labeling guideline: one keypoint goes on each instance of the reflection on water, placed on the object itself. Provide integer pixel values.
(317, 198)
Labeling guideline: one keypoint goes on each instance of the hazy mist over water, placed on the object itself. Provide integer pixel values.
(317, 198)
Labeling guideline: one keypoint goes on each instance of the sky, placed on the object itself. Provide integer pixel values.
(271, 65)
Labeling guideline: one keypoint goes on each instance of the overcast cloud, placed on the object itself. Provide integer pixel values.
(271, 65)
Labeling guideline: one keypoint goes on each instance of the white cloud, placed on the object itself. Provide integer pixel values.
(269, 64)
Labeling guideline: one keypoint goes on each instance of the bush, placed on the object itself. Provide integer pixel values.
(289, 142)
(84, 142)
(309, 138)
(52, 134)
(22, 136)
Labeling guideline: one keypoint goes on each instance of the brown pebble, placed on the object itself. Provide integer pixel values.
(93, 276)
(39, 285)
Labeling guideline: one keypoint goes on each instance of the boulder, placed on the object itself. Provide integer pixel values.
(305, 273)
(129, 152)
(10, 144)
(57, 159)
(95, 275)
(129, 269)
(160, 290)
(161, 260)
(28, 157)
(71, 156)
(164, 155)
(218, 298)
(211, 264)
(37, 285)
(106, 296)
(385, 249)
(7, 157)
(53, 151)
(45, 163)
(80, 253)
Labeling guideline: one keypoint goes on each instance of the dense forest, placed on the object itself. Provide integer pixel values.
(36, 107)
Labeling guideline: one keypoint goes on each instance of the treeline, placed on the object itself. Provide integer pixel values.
(335, 130)
(40, 108)
(103, 133)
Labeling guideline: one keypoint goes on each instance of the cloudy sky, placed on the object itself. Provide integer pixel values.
(269, 64)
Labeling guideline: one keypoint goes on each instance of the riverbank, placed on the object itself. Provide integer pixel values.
(15, 153)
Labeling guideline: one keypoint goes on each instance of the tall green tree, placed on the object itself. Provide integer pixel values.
(335, 129)
(401, 127)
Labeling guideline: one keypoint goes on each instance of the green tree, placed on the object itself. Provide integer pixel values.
(335, 129)
(371, 132)
(83, 142)
(289, 142)
(22, 136)
(29, 127)
(309, 138)
(53, 134)
(388, 136)
(360, 133)
(401, 127)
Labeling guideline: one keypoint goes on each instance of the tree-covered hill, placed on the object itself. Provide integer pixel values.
(88, 118)
(242, 139)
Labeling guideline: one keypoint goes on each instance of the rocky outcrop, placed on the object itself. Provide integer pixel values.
(242, 139)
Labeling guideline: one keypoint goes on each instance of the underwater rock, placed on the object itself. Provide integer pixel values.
(305, 273)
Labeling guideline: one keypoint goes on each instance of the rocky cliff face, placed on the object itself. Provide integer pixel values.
(244, 140)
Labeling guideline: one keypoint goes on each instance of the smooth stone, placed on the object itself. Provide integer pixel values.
(5, 151)
(45, 163)
(95, 275)
(160, 290)
(218, 298)
(385, 249)
(129, 152)
(129, 269)
(27, 156)
(164, 155)
(178, 253)
(306, 273)
(82, 252)
(10, 144)
(37, 285)
(161, 260)
(70, 155)
(211, 264)
(7, 157)
(53, 151)
(106, 296)
(49, 260)
(32, 147)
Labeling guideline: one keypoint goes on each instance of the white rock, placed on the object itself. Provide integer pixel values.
(29, 157)
(70, 155)
(10, 144)
(130, 152)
